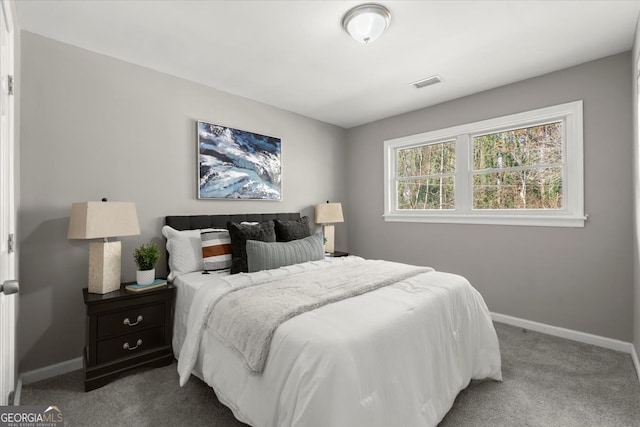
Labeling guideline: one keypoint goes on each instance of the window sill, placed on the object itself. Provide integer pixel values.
(521, 220)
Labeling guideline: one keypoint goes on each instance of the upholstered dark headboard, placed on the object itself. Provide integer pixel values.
(193, 222)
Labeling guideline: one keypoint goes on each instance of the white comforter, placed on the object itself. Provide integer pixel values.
(397, 356)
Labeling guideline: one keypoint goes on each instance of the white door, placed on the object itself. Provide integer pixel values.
(8, 296)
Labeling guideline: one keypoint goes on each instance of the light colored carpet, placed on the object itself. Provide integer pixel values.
(548, 381)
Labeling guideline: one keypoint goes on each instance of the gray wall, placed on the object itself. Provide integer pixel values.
(577, 278)
(94, 127)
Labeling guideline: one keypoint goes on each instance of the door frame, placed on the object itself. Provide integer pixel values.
(8, 258)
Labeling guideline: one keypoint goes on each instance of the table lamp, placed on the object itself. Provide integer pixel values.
(100, 220)
(328, 214)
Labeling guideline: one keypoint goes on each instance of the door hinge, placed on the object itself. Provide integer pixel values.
(10, 84)
(10, 243)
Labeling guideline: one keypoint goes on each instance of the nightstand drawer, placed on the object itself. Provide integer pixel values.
(130, 320)
(130, 344)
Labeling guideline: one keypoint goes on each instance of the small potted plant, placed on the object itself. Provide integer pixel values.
(146, 257)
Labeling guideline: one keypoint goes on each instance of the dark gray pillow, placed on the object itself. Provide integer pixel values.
(239, 234)
(267, 256)
(287, 231)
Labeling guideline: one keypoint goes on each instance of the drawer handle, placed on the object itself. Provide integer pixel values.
(125, 346)
(126, 321)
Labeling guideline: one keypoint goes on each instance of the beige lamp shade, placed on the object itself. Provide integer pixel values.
(329, 213)
(95, 220)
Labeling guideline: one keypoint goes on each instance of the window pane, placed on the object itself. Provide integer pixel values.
(528, 189)
(434, 193)
(425, 160)
(535, 145)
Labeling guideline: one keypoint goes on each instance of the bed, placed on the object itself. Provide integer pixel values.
(397, 355)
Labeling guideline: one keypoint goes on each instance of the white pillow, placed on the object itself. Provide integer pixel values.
(185, 251)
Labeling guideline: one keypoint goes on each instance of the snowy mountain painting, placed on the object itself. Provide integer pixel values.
(236, 164)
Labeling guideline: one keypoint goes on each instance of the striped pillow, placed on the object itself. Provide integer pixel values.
(216, 250)
(270, 255)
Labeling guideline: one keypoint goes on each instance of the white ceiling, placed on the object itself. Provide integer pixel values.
(295, 55)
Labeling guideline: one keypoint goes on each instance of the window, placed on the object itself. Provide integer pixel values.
(519, 168)
(523, 169)
(426, 176)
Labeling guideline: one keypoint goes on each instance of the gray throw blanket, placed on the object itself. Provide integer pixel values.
(246, 318)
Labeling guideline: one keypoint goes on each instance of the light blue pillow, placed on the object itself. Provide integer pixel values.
(270, 255)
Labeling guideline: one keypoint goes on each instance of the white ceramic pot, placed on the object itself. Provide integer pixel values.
(144, 277)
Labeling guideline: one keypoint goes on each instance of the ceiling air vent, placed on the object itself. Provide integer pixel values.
(427, 82)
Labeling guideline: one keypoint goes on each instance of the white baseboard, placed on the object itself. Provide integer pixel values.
(51, 371)
(569, 334)
(636, 362)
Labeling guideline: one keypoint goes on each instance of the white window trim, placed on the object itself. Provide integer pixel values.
(572, 215)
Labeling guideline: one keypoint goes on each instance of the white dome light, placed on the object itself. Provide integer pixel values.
(366, 22)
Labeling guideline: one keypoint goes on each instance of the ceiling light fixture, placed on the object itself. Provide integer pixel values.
(366, 22)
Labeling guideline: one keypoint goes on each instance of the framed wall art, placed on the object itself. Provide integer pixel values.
(237, 165)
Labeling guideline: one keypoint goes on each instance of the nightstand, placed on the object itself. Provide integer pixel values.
(337, 254)
(126, 330)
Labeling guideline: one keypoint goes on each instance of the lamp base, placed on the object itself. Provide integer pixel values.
(329, 240)
(104, 267)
